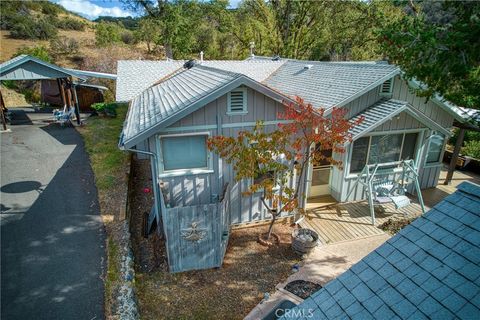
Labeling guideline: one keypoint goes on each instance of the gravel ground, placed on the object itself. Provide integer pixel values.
(249, 270)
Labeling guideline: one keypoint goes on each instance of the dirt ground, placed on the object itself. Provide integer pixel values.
(249, 270)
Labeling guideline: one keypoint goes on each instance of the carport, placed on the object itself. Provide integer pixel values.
(25, 67)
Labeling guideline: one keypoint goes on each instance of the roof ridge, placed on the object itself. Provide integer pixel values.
(222, 71)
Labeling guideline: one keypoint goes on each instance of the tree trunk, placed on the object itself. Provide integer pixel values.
(168, 50)
(270, 228)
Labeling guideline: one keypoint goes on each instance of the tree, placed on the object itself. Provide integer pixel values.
(40, 52)
(107, 33)
(437, 43)
(272, 159)
(148, 31)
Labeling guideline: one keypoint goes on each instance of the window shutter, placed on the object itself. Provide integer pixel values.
(237, 101)
(387, 86)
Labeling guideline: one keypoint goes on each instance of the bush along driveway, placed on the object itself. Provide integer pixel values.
(111, 167)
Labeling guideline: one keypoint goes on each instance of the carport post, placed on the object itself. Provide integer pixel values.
(77, 105)
(62, 92)
(2, 113)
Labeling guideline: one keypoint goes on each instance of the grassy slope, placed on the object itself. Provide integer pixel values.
(109, 165)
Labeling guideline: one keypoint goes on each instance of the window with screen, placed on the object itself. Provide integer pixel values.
(184, 152)
(359, 154)
(435, 148)
(383, 149)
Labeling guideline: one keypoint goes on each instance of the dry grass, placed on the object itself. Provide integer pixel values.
(13, 98)
(249, 270)
(110, 166)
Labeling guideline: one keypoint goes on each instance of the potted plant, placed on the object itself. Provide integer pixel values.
(304, 240)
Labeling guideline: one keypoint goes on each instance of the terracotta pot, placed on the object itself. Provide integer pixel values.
(304, 240)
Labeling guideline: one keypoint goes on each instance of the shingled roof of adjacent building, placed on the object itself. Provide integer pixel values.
(134, 76)
(430, 269)
(328, 84)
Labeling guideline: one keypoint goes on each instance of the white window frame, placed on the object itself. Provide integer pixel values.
(390, 89)
(403, 132)
(440, 158)
(183, 172)
(245, 109)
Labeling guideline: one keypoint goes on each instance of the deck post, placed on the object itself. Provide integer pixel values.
(455, 154)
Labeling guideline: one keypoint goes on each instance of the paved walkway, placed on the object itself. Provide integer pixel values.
(52, 236)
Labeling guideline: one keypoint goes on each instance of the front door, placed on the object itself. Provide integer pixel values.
(320, 176)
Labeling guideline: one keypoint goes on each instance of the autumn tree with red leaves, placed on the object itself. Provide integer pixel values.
(271, 159)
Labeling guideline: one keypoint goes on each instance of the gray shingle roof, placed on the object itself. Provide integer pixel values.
(179, 91)
(134, 76)
(328, 84)
(430, 269)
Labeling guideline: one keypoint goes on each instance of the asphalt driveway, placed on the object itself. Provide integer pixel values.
(52, 236)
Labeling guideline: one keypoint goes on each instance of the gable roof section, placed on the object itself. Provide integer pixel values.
(134, 76)
(328, 84)
(384, 110)
(178, 95)
(429, 270)
(25, 67)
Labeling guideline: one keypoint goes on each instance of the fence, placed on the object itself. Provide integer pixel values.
(196, 236)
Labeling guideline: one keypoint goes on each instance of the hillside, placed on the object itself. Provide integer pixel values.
(51, 33)
(68, 39)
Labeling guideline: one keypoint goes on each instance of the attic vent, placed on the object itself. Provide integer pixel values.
(237, 101)
(308, 66)
(387, 87)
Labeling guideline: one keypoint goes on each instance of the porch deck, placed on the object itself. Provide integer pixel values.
(335, 222)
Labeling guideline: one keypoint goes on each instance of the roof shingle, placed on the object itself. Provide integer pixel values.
(437, 281)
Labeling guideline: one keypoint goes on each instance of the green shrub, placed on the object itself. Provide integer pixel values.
(107, 33)
(70, 24)
(128, 37)
(31, 95)
(108, 109)
(28, 28)
(39, 52)
(10, 84)
(49, 8)
(472, 149)
(64, 46)
(469, 136)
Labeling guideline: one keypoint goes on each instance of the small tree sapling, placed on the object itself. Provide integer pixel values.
(276, 161)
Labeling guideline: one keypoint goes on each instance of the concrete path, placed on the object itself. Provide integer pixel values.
(52, 236)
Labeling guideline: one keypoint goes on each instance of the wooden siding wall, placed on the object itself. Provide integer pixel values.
(204, 188)
(428, 174)
(401, 91)
(358, 105)
(403, 121)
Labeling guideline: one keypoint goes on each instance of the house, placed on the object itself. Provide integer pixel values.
(175, 107)
(429, 270)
